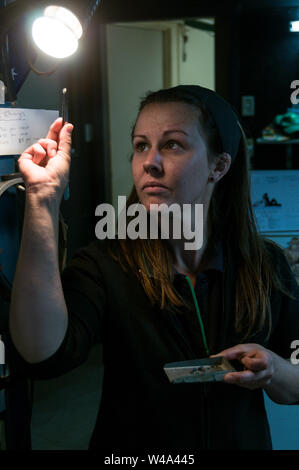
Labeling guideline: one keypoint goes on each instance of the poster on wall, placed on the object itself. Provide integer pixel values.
(20, 128)
(275, 200)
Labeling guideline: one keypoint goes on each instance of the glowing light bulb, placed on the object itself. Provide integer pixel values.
(57, 32)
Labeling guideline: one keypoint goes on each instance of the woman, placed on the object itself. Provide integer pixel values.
(151, 302)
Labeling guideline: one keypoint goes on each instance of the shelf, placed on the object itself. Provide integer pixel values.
(279, 142)
(288, 149)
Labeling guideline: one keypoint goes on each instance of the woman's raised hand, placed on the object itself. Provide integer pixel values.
(45, 165)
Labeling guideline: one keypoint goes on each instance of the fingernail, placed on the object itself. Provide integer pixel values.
(70, 129)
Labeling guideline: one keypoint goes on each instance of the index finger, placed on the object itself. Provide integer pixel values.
(255, 363)
(54, 130)
(236, 352)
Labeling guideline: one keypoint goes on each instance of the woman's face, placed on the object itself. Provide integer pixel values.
(170, 161)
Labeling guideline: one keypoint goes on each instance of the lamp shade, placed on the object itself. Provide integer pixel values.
(57, 32)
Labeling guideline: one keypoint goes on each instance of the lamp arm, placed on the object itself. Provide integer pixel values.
(90, 13)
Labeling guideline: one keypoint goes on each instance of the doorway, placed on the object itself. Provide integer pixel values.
(147, 56)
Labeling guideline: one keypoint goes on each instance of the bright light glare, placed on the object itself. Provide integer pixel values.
(65, 16)
(54, 38)
(57, 32)
(294, 26)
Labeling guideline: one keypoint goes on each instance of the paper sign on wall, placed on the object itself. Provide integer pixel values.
(19, 128)
(275, 199)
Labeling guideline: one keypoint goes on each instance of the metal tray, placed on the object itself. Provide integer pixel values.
(211, 369)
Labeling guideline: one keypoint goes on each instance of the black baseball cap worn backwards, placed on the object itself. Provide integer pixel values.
(222, 112)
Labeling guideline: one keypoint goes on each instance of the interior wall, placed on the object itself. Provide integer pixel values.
(42, 92)
(133, 69)
(198, 65)
(151, 57)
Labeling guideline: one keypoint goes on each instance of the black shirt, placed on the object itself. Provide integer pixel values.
(209, 296)
(140, 409)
